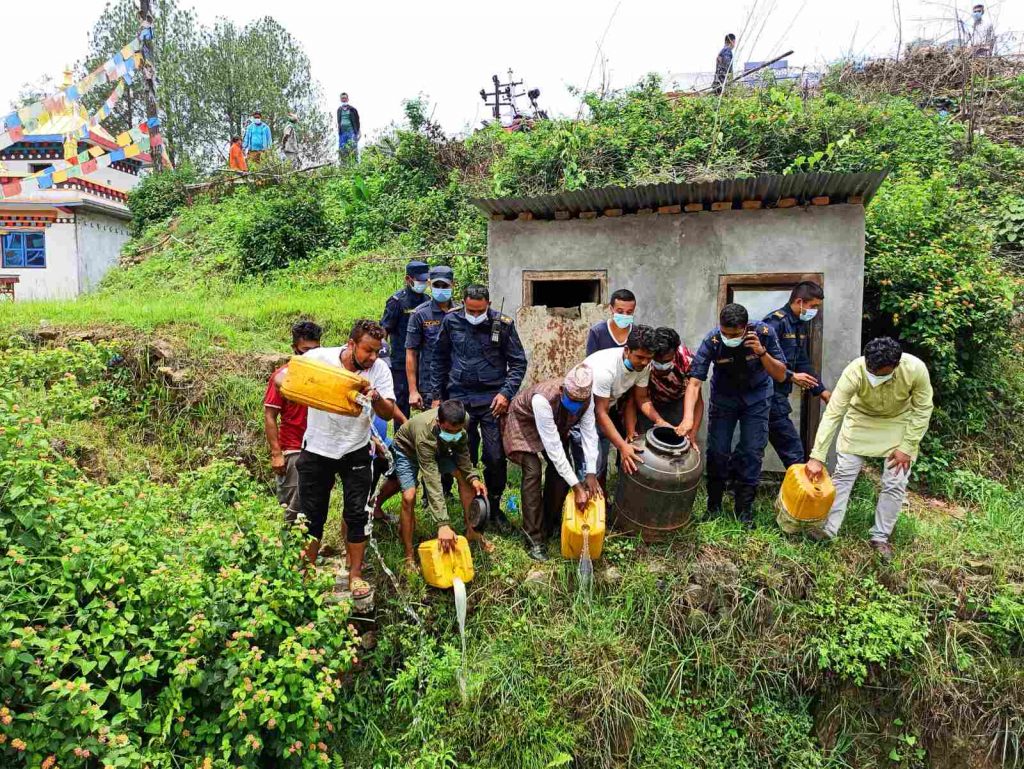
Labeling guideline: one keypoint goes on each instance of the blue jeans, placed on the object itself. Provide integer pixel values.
(408, 469)
(346, 143)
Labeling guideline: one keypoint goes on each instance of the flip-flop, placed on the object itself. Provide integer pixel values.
(412, 567)
(485, 544)
(361, 589)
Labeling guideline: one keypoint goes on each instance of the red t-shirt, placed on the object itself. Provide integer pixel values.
(293, 417)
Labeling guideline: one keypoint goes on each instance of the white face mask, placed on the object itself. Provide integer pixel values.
(476, 320)
(732, 342)
(876, 380)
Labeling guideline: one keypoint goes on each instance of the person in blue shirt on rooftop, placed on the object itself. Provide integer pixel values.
(746, 358)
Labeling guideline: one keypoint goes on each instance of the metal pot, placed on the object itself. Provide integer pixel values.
(657, 499)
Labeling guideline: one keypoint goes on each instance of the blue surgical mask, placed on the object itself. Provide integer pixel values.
(419, 286)
(448, 437)
(808, 315)
(977, 15)
(622, 320)
(666, 366)
(573, 407)
(441, 295)
(476, 320)
(628, 364)
(732, 342)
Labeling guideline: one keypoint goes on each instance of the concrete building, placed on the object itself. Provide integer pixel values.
(59, 242)
(685, 250)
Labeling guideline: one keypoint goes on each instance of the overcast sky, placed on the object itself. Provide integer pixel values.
(383, 52)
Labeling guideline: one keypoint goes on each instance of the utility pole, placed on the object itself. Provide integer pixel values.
(156, 150)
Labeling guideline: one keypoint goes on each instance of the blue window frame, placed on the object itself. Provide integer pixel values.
(24, 249)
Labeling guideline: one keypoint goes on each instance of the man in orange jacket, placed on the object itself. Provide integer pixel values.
(236, 158)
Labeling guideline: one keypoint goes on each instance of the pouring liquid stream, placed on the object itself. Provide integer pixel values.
(586, 567)
(459, 590)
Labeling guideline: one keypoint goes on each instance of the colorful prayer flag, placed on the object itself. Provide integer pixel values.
(12, 188)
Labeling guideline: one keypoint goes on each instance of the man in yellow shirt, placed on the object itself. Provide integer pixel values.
(883, 401)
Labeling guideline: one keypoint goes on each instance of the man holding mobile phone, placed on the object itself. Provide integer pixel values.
(746, 358)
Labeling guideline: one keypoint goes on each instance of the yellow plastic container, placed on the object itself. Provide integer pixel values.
(440, 568)
(575, 521)
(322, 386)
(802, 503)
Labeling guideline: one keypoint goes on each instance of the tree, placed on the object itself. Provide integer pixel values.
(209, 79)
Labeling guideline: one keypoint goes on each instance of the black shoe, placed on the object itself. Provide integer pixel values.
(536, 552)
(497, 520)
(745, 505)
(716, 490)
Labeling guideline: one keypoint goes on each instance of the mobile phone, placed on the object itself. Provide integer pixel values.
(751, 328)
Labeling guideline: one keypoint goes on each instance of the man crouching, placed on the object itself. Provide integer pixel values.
(434, 443)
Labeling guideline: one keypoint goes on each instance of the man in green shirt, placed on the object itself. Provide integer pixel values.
(433, 443)
(883, 401)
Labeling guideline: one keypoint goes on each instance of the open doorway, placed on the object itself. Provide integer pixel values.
(564, 291)
(761, 294)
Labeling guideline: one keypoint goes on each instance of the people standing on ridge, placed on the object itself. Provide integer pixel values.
(723, 63)
(257, 139)
(792, 326)
(535, 433)
(290, 141)
(397, 311)
(881, 407)
(348, 129)
(285, 440)
(623, 373)
(236, 158)
(431, 444)
(336, 445)
(479, 360)
(746, 358)
(670, 373)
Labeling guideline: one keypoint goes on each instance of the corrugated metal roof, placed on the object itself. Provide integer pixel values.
(768, 188)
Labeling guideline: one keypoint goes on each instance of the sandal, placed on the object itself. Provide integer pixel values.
(485, 544)
(361, 589)
(412, 567)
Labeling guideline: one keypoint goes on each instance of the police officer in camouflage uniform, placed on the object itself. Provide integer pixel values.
(792, 325)
(397, 312)
(479, 360)
(746, 357)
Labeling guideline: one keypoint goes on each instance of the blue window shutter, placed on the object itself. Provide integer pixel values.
(24, 249)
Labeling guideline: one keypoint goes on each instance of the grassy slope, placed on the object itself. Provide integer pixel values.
(718, 653)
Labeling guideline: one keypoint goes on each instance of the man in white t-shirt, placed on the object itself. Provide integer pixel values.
(337, 445)
(618, 372)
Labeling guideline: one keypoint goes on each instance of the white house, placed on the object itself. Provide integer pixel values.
(59, 242)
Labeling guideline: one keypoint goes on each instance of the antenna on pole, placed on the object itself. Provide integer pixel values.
(149, 79)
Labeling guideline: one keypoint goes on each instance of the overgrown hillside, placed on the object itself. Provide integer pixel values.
(131, 538)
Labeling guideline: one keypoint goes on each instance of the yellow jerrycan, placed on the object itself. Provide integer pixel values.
(440, 569)
(575, 522)
(802, 503)
(322, 386)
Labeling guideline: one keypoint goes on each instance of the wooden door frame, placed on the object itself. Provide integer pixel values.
(810, 411)
(530, 276)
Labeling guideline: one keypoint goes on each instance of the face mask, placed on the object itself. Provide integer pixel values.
(476, 320)
(256, 120)
(876, 380)
(666, 366)
(622, 320)
(808, 315)
(449, 437)
(573, 407)
(441, 295)
(732, 342)
(358, 363)
(977, 15)
(419, 286)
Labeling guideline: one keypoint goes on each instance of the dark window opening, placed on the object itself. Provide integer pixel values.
(565, 293)
(35, 168)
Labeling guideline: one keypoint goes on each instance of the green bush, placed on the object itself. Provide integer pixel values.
(153, 625)
(290, 228)
(860, 623)
(158, 196)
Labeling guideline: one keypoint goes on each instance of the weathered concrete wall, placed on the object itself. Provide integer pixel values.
(59, 278)
(673, 263)
(100, 238)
